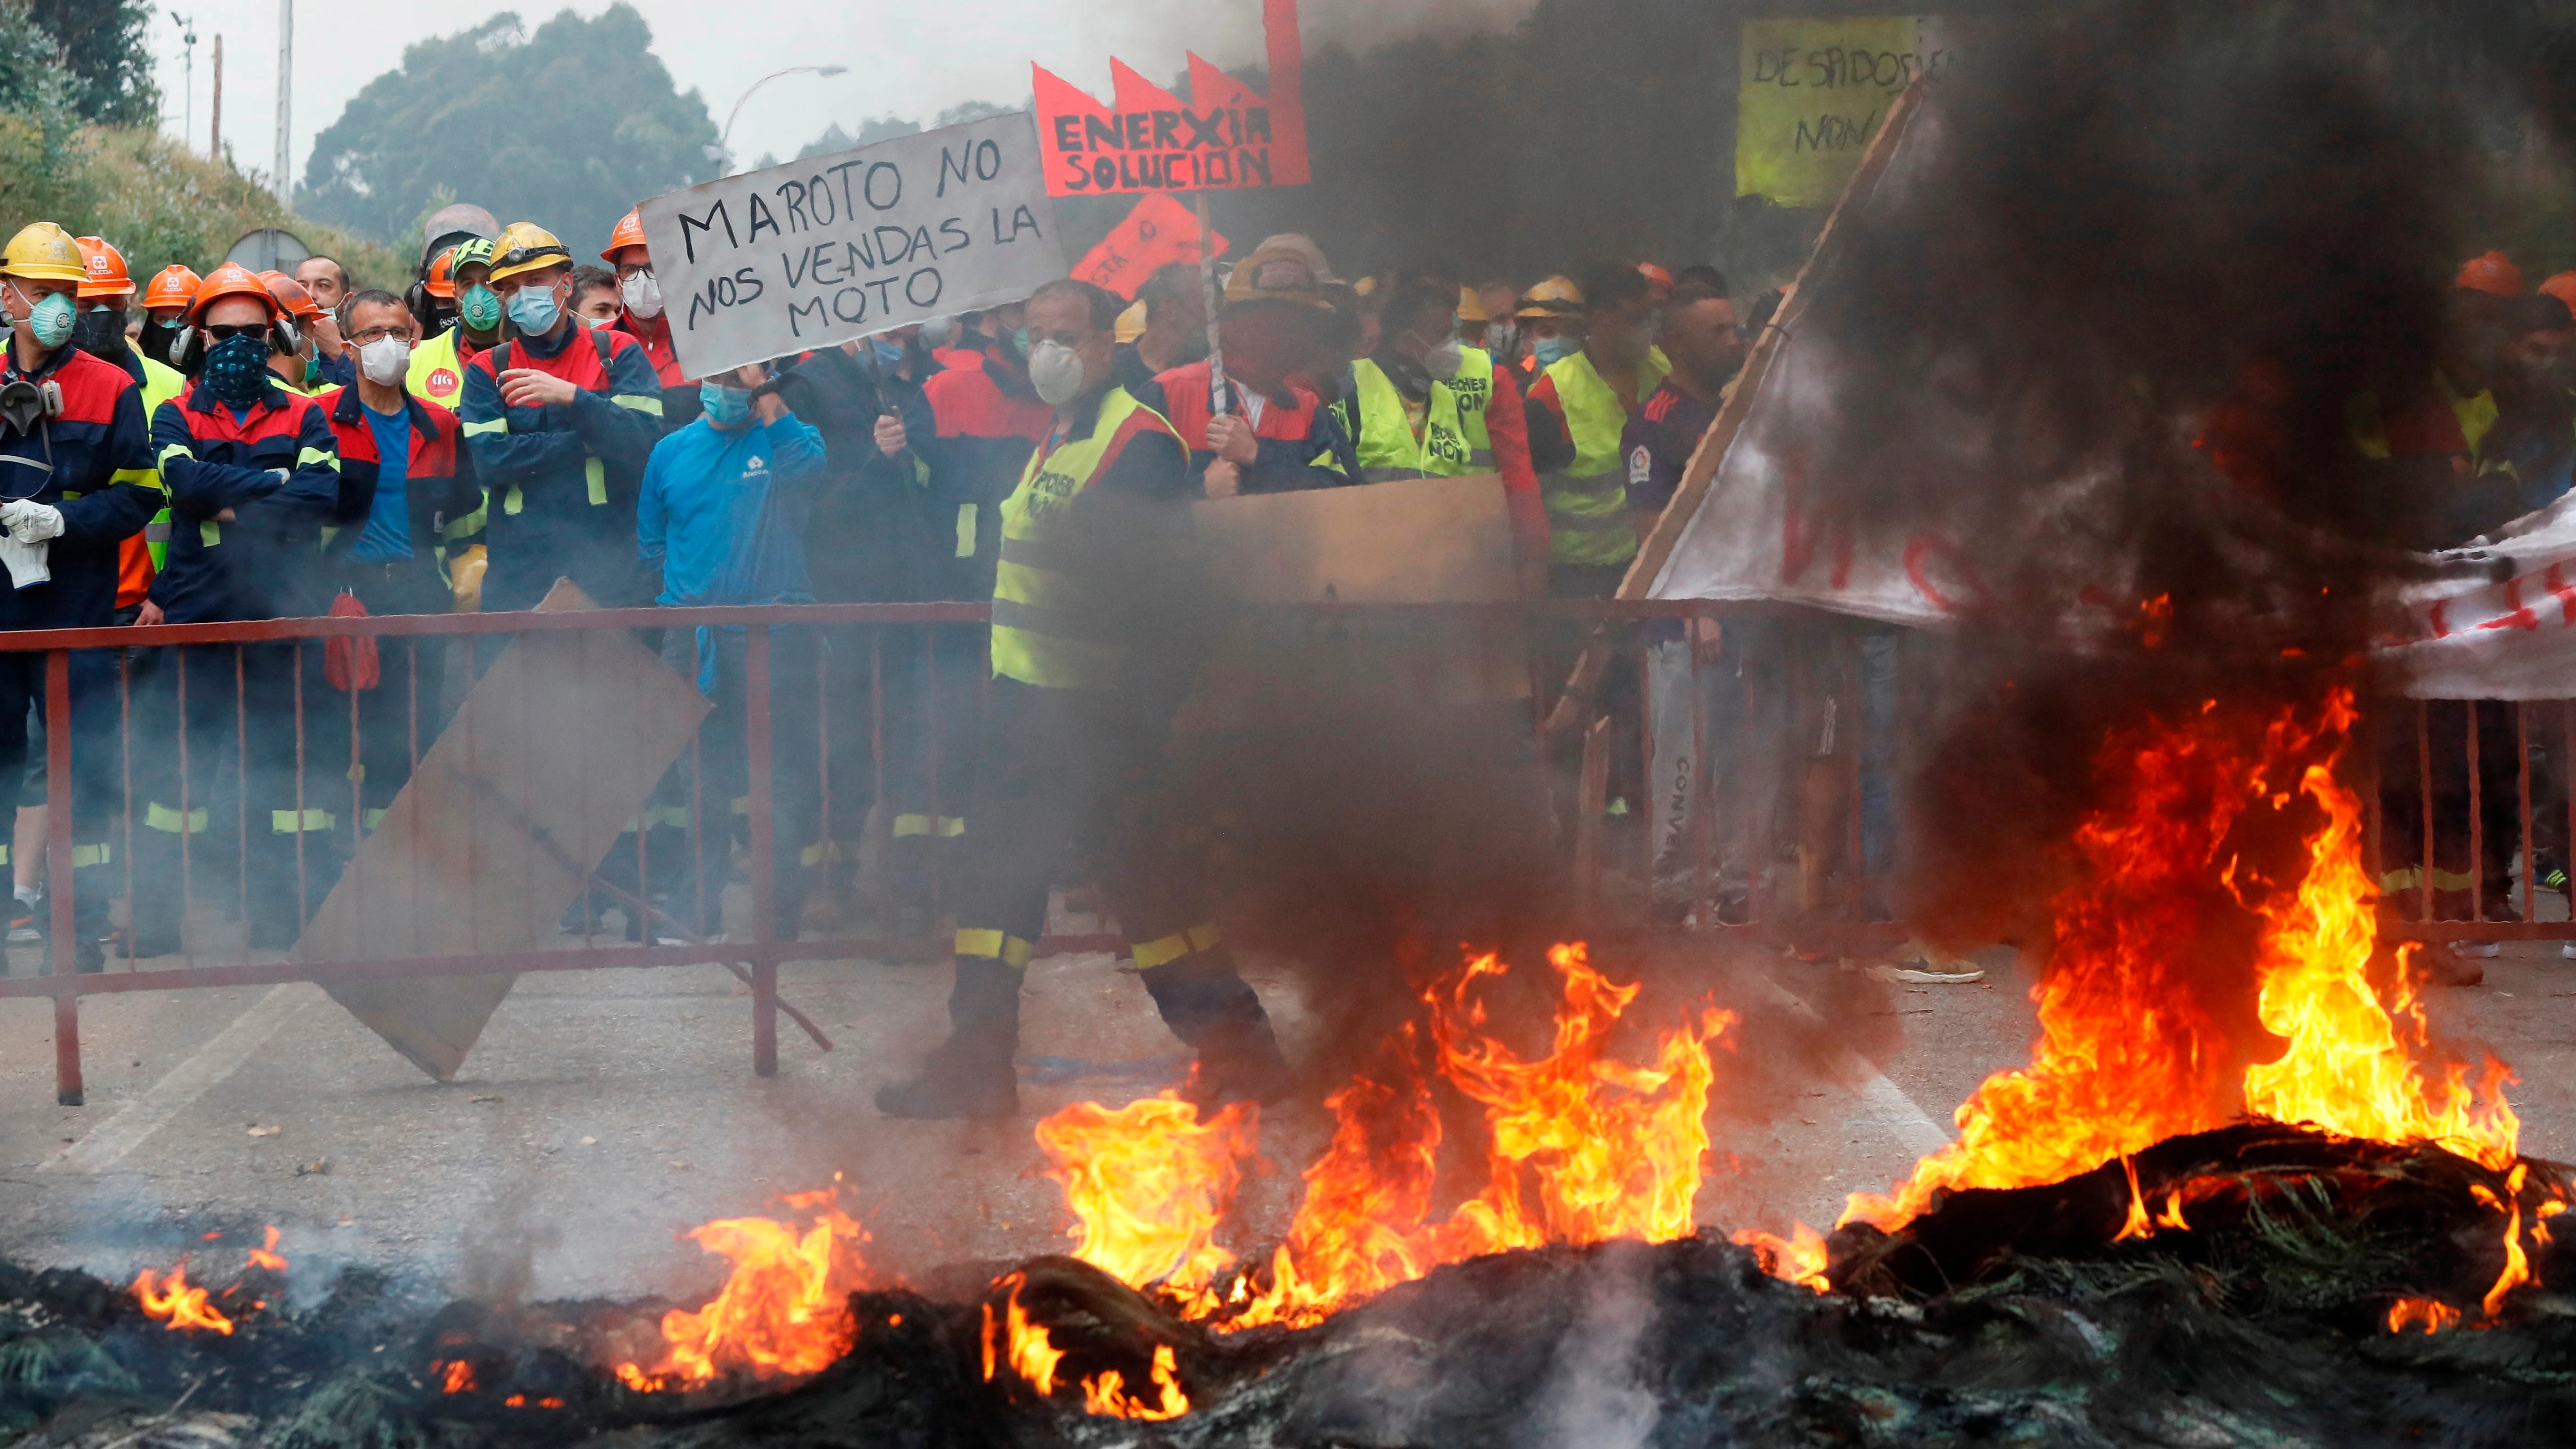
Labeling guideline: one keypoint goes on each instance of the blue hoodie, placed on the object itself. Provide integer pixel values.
(725, 514)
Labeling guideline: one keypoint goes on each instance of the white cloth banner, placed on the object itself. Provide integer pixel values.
(819, 251)
(2495, 620)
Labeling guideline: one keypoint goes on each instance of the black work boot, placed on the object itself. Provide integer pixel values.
(1209, 1005)
(970, 1074)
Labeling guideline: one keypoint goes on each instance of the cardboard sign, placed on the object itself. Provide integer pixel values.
(1812, 94)
(844, 245)
(1228, 137)
(560, 742)
(1414, 541)
(1159, 232)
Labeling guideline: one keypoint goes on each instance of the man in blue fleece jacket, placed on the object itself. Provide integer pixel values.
(725, 505)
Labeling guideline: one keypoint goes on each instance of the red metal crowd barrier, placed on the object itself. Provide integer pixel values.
(1615, 877)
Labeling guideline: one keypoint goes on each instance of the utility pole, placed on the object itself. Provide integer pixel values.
(215, 135)
(285, 180)
(187, 48)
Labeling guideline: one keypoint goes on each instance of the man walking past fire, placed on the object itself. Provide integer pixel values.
(1086, 680)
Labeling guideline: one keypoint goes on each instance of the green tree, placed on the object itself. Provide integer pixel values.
(567, 128)
(43, 165)
(104, 45)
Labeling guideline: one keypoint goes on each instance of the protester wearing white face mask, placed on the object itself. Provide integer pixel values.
(408, 451)
(640, 316)
(1089, 666)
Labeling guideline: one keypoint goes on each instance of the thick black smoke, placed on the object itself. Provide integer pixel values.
(2108, 321)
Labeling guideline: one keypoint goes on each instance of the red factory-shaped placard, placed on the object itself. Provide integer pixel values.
(1230, 136)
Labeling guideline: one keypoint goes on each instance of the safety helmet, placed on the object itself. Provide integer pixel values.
(473, 252)
(106, 267)
(1555, 297)
(172, 286)
(524, 246)
(45, 252)
(232, 279)
(1278, 272)
(441, 281)
(1131, 323)
(629, 233)
(291, 296)
(2563, 287)
(1471, 308)
(1656, 275)
(2490, 272)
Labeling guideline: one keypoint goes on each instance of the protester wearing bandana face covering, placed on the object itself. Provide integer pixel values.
(1074, 736)
(76, 479)
(561, 419)
(642, 315)
(101, 333)
(254, 480)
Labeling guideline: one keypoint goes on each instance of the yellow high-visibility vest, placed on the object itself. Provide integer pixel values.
(1040, 633)
(1453, 442)
(1587, 504)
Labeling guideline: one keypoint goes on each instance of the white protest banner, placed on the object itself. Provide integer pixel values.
(832, 247)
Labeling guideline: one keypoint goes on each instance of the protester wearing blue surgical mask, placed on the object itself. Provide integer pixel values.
(560, 419)
(722, 519)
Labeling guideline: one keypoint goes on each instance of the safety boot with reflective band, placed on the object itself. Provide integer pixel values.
(971, 1074)
(1208, 1005)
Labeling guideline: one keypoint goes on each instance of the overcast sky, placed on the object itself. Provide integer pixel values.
(911, 58)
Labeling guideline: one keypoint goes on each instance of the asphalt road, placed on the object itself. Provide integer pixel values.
(603, 1113)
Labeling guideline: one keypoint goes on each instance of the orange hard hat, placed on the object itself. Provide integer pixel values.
(1655, 274)
(232, 279)
(291, 296)
(2562, 287)
(106, 267)
(629, 233)
(2492, 273)
(172, 286)
(441, 281)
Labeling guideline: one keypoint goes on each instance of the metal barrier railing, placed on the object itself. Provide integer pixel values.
(1778, 674)
(2460, 825)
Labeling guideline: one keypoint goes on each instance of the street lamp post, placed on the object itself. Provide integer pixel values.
(724, 142)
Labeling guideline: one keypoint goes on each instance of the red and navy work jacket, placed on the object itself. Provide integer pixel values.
(988, 420)
(439, 492)
(93, 460)
(560, 482)
(1294, 439)
(276, 467)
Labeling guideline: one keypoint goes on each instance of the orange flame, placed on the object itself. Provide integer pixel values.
(265, 1255)
(1022, 1345)
(782, 1312)
(1612, 1149)
(1149, 1183)
(1105, 1396)
(178, 1301)
(2425, 1313)
(2130, 1053)
(457, 1378)
(1802, 1259)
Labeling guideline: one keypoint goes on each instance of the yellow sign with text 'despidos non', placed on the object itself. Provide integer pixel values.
(1813, 93)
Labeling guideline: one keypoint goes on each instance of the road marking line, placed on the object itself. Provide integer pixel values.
(201, 1073)
(1888, 1105)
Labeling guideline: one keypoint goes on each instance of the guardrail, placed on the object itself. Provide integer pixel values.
(1779, 674)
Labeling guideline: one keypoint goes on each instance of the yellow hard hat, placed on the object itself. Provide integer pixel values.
(46, 252)
(1471, 308)
(1555, 297)
(1277, 273)
(524, 246)
(1131, 323)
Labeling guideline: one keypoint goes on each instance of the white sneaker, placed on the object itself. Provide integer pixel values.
(2480, 950)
